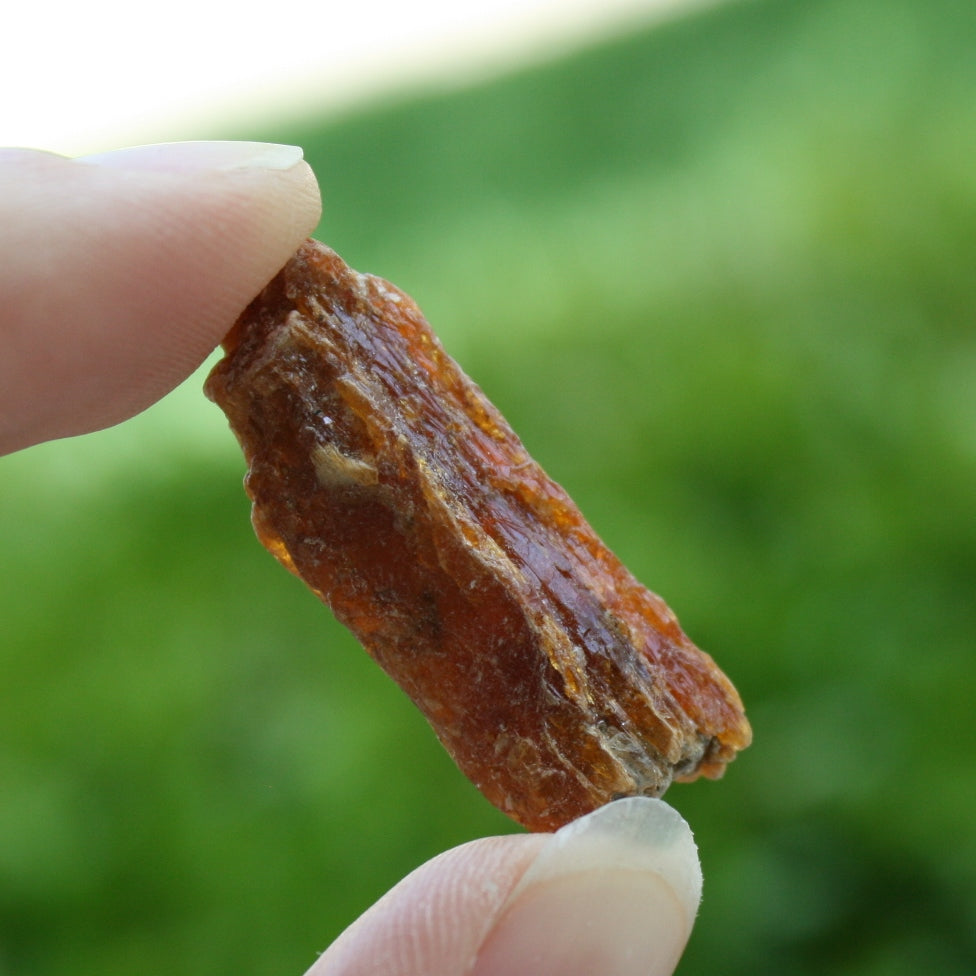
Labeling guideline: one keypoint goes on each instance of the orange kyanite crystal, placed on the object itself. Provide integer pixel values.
(383, 477)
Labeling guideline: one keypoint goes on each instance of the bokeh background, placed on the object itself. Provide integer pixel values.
(718, 273)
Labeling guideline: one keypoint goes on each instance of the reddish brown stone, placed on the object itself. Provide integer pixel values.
(383, 477)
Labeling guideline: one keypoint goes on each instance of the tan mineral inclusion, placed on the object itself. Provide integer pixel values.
(383, 477)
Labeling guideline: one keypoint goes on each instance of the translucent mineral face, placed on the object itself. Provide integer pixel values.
(382, 476)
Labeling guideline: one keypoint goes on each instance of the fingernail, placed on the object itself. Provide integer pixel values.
(196, 156)
(614, 893)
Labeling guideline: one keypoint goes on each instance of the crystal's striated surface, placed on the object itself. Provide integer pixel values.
(383, 477)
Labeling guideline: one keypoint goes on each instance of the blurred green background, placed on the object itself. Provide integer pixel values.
(719, 275)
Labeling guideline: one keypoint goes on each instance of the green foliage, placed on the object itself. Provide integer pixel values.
(719, 277)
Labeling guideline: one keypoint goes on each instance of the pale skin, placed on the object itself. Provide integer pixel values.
(118, 276)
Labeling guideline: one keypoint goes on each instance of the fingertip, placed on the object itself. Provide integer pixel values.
(120, 275)
(615, 892)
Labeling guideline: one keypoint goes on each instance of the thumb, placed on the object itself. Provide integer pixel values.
(119, 273)
(613, 893)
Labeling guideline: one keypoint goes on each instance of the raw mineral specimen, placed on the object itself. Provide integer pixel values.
(383, 477)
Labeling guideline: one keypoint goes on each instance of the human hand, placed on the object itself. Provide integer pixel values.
(612, 894)
(119, 274)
